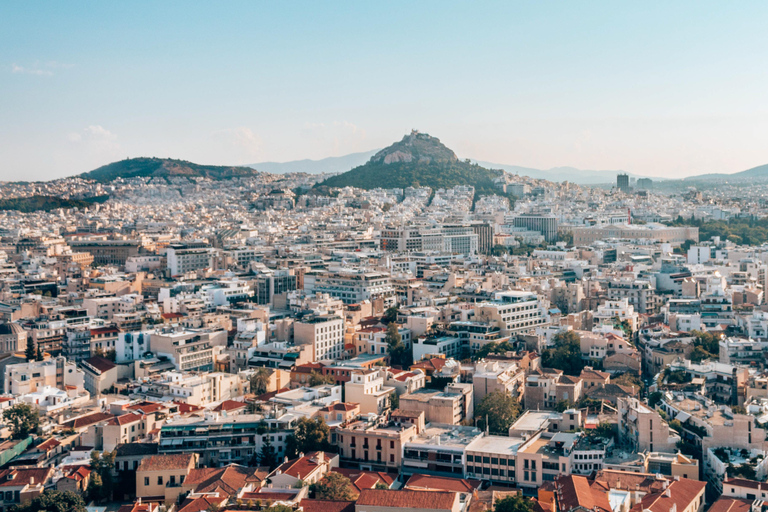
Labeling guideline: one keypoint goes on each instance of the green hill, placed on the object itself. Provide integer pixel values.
(47, 203)
(417, 160)
(164, 167)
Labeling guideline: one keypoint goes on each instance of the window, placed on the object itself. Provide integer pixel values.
(160, 480)
(146, 480)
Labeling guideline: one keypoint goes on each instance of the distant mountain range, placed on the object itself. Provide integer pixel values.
(417, 160)
(333, 164)
(164, 168)
(759, 172)
(339, 164)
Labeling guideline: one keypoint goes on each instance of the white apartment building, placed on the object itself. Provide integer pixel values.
(607, 313)
(355, 286)
(33, 376)
(182, 260)
(514, 312)
(325, 333)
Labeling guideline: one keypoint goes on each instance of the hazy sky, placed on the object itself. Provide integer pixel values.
(663, 89)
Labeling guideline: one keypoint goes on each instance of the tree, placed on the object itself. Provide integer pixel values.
(333, 486)
(629, 380)
(390, 315)
(399, 355)
(39, 354)
(310, 435)
(23, 419)
(260, 381)
(563, 405)
(566, 354)
(53, 501)
(654, 398)
(267, 456)
(513, 503)
(395, 401)
(102, 483)
(279, 507)
(318, 379)
(31, 350)
(602, 431)
(500, 409)
(381, 485)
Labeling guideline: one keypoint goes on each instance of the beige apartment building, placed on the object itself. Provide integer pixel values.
(449, 407)
(374, 447)
(160, 476)
(367, 388)
(643, 428)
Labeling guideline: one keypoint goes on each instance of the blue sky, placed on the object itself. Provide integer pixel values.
(656, 88)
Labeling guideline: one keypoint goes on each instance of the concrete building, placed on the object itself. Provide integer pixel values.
(643, 429)
(324, 333)
(367, 389)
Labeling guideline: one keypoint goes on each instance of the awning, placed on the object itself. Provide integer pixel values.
(682, 416)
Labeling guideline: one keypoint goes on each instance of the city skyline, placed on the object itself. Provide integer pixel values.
(662, 91)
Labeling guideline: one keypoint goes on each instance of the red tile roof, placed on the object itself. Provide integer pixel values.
(680, 493)
(19, 477)
(365, 479)
(126, 419)
(419, 482)
(228, 480)
(574, 491)
(90, 419)
(304, 466)
(413, 500)
(230, 405)
(724, 504)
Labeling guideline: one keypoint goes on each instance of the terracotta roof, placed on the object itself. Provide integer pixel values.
(436, 500)
(166, 461)
(574, 491)
(77, 472)
(126, 419)
(187, 408)
(327, 506)
(362, 479)
(47, 445)
(749, 484)
(199, 504)
(341, 406)
(139, 507)
(228, 480)
(19, 477)
(438, 483)
(435, 363)
(679, 493)
(104, 330)
(724, 504)
(148, 407)
(90, 419)
(303, 466)
(230, 405)
(100, 363)
(594, 374)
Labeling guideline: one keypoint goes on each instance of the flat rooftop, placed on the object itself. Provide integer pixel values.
(496, 444)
